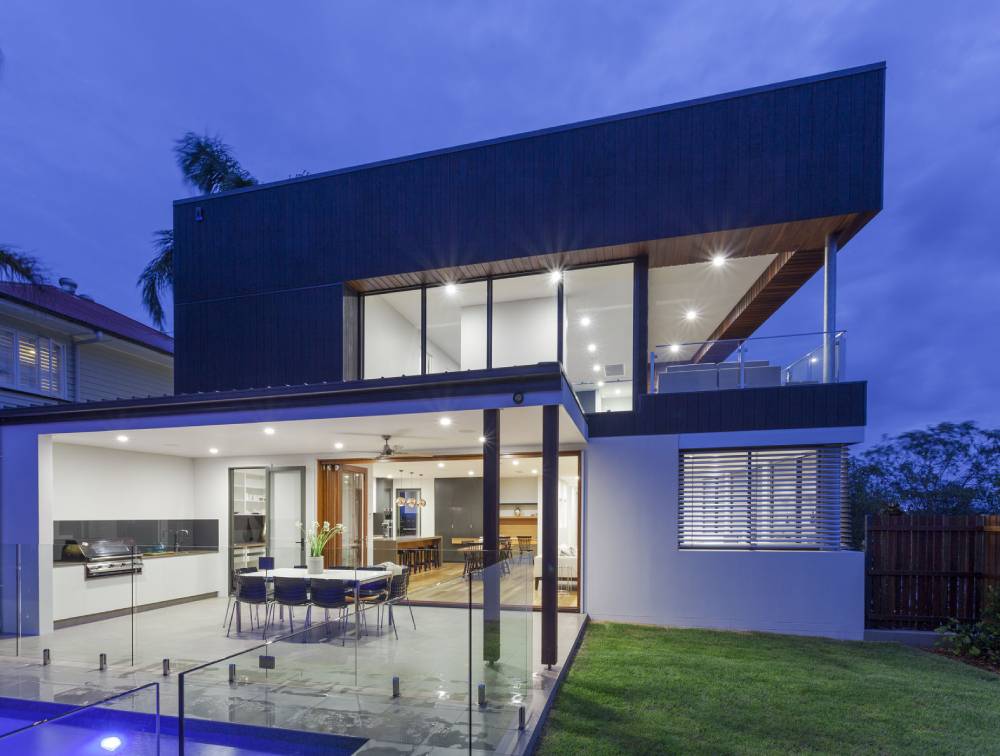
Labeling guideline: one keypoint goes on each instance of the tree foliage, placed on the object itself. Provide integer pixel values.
(949, 468)
(20, 267)
(208, 165)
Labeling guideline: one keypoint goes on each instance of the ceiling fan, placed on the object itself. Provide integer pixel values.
(389, 451)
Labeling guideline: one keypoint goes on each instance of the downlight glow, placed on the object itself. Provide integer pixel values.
(111, 743)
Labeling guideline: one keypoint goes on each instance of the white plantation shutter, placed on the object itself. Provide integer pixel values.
(790, 498)
(32, 363)
(7, 339)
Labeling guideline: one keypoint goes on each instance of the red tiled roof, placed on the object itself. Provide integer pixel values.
(55, 301)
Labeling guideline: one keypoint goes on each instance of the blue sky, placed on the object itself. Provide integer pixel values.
(93, 94)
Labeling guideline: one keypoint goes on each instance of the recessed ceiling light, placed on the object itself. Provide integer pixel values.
(441, 465)
(534, 472)
(389, 476)
(814, 359)
(718, 260)
(213, 450)
(591, 348)
(444, 422)
(691, 315)
(600, 384)
(555, 276)
(618, 392)
(597, 368)
(111, 743)
(123, 439)
(585, 321)
(269, 431)
(482, 439)
(338, 445)
(450, 289)
(471, 472)
(516, 462)
(675, 348)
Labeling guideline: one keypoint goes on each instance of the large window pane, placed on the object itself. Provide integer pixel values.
(524, 320)
(456, 327)
(598, 337)
(392, 334)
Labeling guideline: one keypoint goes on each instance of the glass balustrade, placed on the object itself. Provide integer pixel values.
(757, 362)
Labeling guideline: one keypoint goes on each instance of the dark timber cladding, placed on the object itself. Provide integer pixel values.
(550, 535)
(257, 281)
(832, 405)
(491, 535)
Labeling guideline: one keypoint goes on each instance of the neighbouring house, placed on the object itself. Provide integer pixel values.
(541, 346)
(59, 346)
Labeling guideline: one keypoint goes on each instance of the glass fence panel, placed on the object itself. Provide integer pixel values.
(748, 363)
(126, 723)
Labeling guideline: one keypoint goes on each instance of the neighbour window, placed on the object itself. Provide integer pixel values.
(598, 337)
(392, 334)
(32, 363)
(456, 327)
(524, 320)
(792, 498)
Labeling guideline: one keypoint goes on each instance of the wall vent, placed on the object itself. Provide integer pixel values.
(614, 371)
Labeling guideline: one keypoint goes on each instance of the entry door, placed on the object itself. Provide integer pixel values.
(288, 513)
(344, 498)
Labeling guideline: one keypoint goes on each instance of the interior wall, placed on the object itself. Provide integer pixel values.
(93, 483)
(392, 343)
(524, 332)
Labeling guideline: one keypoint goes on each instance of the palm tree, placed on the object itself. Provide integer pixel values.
(17, 266)
(209, 166)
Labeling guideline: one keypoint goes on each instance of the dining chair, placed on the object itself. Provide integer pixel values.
(327, 594)
(252, 591)
(524, 547)
(399, 588)
(290, 593)
(232, 590)
(373, 594)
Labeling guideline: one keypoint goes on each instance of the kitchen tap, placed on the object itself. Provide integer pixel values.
(177, 537)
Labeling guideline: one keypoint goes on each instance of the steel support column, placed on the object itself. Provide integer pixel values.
(550, 535)
(829, 307)
(491, 535)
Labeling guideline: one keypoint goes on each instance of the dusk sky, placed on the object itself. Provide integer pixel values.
(92, 96)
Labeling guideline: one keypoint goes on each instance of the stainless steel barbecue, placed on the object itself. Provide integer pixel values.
(110, 557)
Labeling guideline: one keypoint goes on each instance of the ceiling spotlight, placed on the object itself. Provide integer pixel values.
(585, 321)
(450, 289)
(555, 276)
(338, 445)
(591, 348)
(516, 462)
(600, 384)
(618, 392)
(534, 472)
(691, 315)
(441, 465)
(814, 360)
(597, 368)
(718, 260)
(269, 431)
(213, 450)
(471, 472)
(675, 348)
(444, 422)
(111, 743)
(482, 439)
(389, 476)
(121, 439)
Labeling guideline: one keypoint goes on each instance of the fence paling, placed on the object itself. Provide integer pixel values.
(922, 570)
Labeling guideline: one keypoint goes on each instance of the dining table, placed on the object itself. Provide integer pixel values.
(356, 578)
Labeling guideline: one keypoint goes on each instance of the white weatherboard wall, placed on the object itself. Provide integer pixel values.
(634, 571)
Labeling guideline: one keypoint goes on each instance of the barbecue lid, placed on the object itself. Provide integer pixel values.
(108, 547)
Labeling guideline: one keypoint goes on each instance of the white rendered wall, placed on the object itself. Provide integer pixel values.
(634, 571)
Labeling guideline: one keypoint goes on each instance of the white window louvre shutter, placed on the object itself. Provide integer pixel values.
(782, 498)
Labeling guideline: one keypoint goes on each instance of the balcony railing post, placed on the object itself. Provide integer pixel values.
(840, 354)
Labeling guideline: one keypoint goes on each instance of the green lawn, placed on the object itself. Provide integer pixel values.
(636, 689)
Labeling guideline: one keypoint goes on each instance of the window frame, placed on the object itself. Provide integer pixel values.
(489, 280)
(14, 384)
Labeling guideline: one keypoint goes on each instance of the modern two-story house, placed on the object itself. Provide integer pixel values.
(542, 343)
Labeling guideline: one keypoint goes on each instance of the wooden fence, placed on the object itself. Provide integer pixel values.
(921, 570)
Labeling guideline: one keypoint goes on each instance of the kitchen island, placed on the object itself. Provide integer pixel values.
(387, 549)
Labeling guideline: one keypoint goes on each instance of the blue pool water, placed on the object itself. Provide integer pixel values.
(99, 732)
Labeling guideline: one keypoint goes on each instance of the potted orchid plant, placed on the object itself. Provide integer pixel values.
(318, 537)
